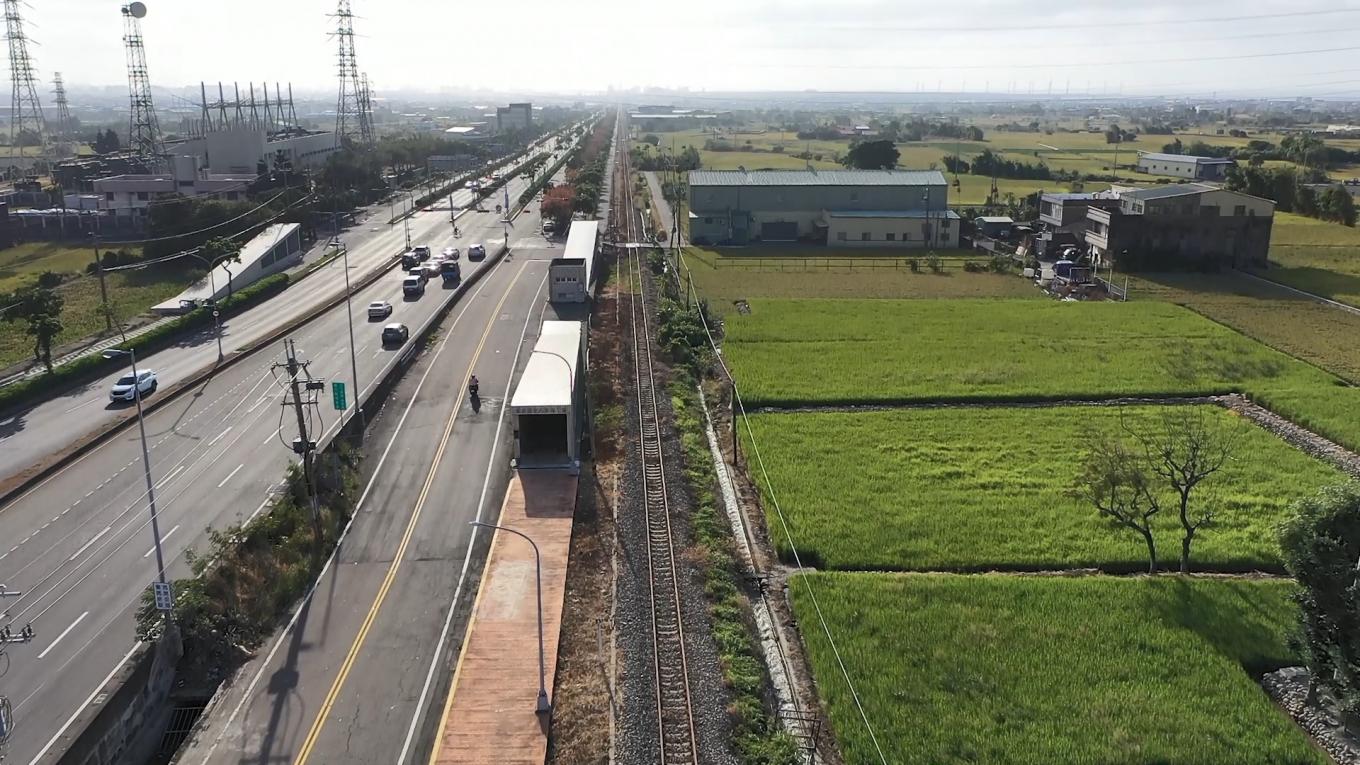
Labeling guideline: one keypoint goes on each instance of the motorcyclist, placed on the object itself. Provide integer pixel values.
(473, 386)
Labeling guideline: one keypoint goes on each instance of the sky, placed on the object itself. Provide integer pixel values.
(1149, 47)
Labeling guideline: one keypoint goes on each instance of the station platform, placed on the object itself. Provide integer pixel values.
(489, 715)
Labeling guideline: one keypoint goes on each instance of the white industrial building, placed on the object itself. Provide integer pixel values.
(242, 149)
(547, 403)
(1184, 166)
(277, 248)
(131, 195)
(569, 275)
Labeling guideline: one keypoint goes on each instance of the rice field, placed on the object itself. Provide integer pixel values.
(1316, 256)
(1018, 670)
(848, 351)
(977, 489)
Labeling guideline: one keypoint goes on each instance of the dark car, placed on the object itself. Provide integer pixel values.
(477, 252)
(395, 334)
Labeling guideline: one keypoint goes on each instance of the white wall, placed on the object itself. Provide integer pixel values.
(906, 233)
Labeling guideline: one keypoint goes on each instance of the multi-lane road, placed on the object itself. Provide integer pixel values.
(79, 544)
(32, 435)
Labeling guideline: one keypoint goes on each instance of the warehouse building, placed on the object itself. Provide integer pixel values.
(841, 208)
(1185, 166)
(1186, 225)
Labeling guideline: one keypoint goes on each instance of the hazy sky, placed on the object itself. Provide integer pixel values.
(1233, 47)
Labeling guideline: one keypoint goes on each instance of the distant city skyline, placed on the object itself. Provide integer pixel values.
(1159, 47)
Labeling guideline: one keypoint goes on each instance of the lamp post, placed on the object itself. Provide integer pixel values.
(406, 221)
(349, 314)
(930, 231)
(544, 705)
(114, 353)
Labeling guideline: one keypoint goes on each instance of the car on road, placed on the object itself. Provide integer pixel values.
(431, 271)
(477, 252)
(421, 253)
(548, 226)
(379, 309)
(413, 286)
(450, 253)
(127, 387)
(395, 334)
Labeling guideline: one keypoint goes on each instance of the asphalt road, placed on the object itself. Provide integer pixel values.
(356, 675)
(33, 434)
(79, 544)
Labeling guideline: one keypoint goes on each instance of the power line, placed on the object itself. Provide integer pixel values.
(967, 29)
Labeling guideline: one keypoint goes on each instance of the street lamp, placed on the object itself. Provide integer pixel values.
(349, 314)
(114, 353)
(544, 706)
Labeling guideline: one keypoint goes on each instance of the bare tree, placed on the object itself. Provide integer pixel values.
(1114, 479)
(1184, 451)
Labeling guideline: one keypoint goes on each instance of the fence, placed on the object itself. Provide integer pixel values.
(842, 265)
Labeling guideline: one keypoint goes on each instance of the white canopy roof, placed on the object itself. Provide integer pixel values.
(550, 375)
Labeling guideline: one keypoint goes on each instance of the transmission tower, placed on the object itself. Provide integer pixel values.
(144, 132)
(64, 123)
(366, 108)
(351, 117)
(26, 110)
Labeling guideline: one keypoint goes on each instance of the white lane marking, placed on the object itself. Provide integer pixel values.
(81, 406)
(258, 510)
(71, 720)
(467, 558)
(87, 545)
(344, 533)
(231, 475)
(172, 475)
(63, 635)
(271, 437)
(147, 554)
(222, 434)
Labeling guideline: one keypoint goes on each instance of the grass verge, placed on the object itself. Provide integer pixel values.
(251, 574)
(976, 489)
(757, 738)
(45, 386)
(1012, 670)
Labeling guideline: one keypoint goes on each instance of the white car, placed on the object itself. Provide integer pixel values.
(127, 387)
(450, 253)
(379, 309)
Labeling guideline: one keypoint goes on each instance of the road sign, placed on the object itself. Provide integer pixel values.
(165, 600)
(338, 396)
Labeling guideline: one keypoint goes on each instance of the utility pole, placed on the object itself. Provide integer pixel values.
(103, 289)
(303, 444)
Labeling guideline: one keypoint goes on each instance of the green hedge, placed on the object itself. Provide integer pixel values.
(40, 388)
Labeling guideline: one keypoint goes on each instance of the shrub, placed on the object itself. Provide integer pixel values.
(934, 263)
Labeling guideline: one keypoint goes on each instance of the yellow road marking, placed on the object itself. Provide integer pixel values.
(320, 722)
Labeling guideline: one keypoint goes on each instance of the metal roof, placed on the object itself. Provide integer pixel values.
(1172, 190)
(995, 219)
(550, 376)
(948, 214)
(1186, 158)
(816, 178)
(1079, 196)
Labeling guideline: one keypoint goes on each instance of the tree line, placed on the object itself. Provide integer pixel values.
(1293, 191)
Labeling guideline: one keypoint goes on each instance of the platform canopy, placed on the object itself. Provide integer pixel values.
(548, 382)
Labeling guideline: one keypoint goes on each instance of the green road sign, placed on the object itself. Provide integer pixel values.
(338, 396)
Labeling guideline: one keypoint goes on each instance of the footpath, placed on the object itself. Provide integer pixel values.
(490, 713)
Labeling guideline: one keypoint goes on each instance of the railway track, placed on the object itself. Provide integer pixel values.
(674, 710)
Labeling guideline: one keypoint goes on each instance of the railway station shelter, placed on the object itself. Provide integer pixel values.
(548, 403)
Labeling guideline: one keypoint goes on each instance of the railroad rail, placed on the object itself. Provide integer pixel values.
(674, 710)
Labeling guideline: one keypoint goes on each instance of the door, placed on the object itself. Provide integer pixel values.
(779, 231)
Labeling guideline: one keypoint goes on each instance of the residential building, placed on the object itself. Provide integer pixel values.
(1179, 226)
(1184, 166)
(1061, 210)
(129, 196)
(841, 208)
(514, 117)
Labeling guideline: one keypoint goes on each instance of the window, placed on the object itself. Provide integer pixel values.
(142, 196)
(1240, 210)
(840, 236)
(906, 236)
(184, 184)
(944, 224)
(892, 237)
(108, 195)
(708, 220)
(864, 237)
(854, 196)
